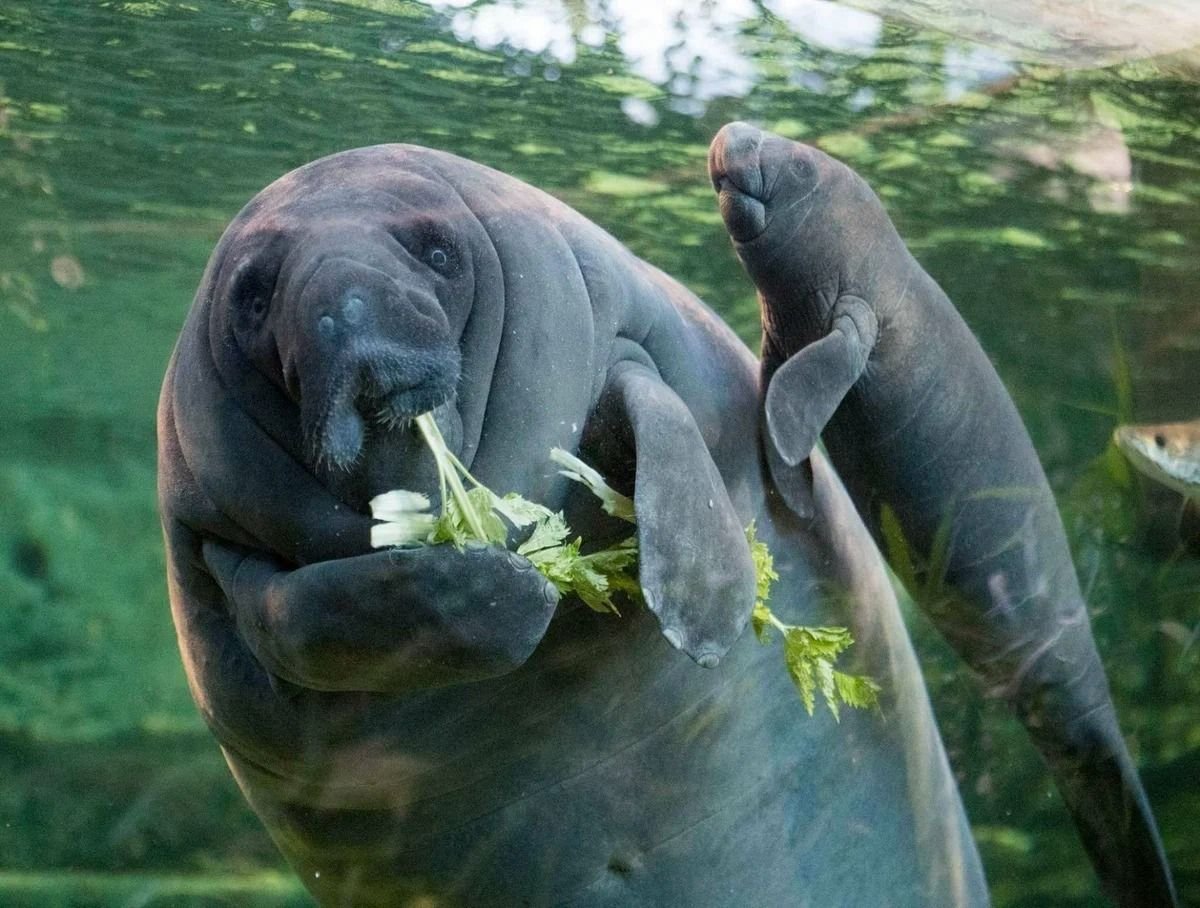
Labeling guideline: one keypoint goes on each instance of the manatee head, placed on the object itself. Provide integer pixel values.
(806, 226)
(347, 283)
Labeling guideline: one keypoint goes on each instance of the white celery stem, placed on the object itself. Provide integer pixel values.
(447, 473)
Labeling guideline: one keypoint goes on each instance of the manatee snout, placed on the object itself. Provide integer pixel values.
(735, 169)
(749, 168)
(372, 350)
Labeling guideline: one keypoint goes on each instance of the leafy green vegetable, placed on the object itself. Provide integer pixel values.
(808, 652)
(611, 500)
(479, 514)
(593, 577)
(406, 518)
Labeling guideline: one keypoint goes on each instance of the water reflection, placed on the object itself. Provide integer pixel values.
(695, 53)
(1093, 150)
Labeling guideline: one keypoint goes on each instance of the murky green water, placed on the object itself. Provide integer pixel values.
(1057, 206)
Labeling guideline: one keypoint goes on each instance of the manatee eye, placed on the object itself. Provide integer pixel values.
(437, 248)
(438, 253)
(431, 242)
(253, 293)
(253, 285)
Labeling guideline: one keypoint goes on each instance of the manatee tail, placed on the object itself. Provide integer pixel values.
(1105, 797)
(1099, 783)
(1032, 642)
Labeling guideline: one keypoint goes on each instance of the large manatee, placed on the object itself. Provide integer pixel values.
(862, 347)
(412, 726)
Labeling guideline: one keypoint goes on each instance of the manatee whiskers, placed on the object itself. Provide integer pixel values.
(334, 435)
(383, 386)
(401, 398)
(389, 418)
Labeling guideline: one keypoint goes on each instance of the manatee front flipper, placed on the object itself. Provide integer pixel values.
(386, 622)
(806, 391)
(694, 561)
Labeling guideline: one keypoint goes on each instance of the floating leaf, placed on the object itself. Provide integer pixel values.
(808, 652)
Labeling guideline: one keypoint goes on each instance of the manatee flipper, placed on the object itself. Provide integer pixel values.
(694, 561)
(386, 622)
(807, 389)
(794, 484)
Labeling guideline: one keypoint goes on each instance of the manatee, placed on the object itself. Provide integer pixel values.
(862, 348)
(430, 725)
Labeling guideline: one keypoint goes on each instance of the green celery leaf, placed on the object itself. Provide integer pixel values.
(760, 620)
(857, 691)
(800, 667)
(611, 500)
(764, 564)
(518, 511)
(495, 531)
(547, 533)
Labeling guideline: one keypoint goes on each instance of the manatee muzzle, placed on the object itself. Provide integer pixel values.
(380, 386)
(372, 354)
(755, 173)
(736, 173)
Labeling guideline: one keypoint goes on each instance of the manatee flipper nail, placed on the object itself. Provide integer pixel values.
(806, 391)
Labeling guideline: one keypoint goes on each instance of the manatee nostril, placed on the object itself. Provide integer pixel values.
(326, 326)
(734, 161)
(353, 309)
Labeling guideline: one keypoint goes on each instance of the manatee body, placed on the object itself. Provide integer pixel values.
(411, 726)
(861, 347)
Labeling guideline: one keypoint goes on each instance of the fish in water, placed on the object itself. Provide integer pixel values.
(1169, 453)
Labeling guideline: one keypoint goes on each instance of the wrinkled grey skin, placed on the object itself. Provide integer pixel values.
(861, 347)
(411, 726)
